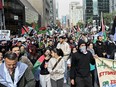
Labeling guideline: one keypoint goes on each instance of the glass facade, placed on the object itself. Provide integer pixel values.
(95, 7)
(103, 6)
(14, 12)
(89, 9)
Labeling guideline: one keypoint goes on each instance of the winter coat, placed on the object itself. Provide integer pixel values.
(100, 48)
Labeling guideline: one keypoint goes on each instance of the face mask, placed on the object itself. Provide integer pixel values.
(32, 42)
(83, 49)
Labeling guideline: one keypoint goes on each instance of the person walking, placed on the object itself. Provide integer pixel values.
(80, 66)
(56, 67)
(21, 58)
(44, 73)
(100, 47)
(92, 67)
(14, 73)
(66, 50)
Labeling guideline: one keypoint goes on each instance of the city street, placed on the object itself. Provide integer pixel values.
(67, 85)
(57, 43)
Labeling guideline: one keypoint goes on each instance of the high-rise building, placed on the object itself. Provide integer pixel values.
(65, 21)
(103, 6)
(43, 8)
(93, 8)
(25, 12)
(57, 7)
(31, 15)
(14, 15)
(76, 13)
(112, 5)
(88, 9)
(47, 10)
(53, 12)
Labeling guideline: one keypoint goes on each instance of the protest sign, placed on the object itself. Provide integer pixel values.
(4, 34)
(106, 69)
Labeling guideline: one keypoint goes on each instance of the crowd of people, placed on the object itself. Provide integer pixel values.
(62, 58)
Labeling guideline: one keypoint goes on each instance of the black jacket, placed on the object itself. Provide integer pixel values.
(100, 48)
(111, 45)
(112, 56)
(80, 64)
(44, 71)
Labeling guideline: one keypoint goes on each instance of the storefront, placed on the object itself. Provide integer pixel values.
(14, 12)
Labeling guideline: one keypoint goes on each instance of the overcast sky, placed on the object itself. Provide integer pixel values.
(64, 6)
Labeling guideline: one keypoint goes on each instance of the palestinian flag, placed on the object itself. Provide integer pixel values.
(42, 32)
(38, 63)
(42, 28)
(36, 67)
(25, 29)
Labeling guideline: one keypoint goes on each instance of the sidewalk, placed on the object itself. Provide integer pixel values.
(66, 85)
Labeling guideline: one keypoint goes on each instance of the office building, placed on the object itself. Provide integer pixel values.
(76, 13)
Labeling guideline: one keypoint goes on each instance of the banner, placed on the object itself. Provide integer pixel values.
(106, 69)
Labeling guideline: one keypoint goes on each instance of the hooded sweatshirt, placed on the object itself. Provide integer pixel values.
(80, 63)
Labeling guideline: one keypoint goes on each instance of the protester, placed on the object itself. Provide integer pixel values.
(110, 45)
(74, 50)
(80, 66)
(113, 55)
(22, 58)
(92, 67)
(32, 54)
(1, 58)
(23, 51)
(14, 73)
(4, 47)
(66, 50)
(56, 67)
(44, 73)
(100, 47)
(50, 44)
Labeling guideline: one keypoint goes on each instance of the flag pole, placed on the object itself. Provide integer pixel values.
(103, 27)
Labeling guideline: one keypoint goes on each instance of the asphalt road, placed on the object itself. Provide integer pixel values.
(67, 85)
